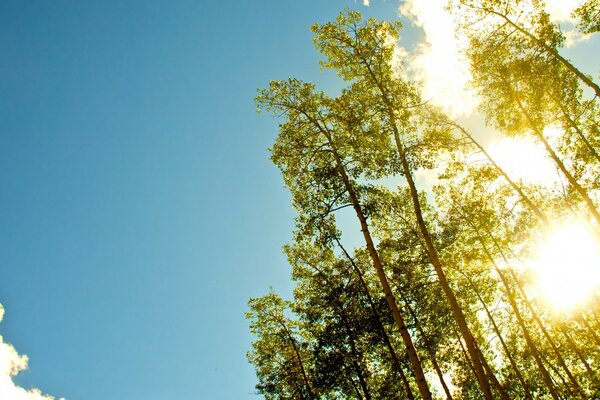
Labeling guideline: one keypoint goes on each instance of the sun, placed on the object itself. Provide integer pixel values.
(567, 267)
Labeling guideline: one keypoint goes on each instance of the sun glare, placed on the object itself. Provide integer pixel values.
(524, 159)
(567, 267)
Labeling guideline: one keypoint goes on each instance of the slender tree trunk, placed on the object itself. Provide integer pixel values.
(352, 341)
(549, 339)
(299, 357)
(410, 348)
(351, 379)
(572, 181)
(512, 361)
(512, 183)
(361, 379)
(537, 319)
(464, 352)
(437, 265)
(430, 351)
(590, 330)
(511, 300)
(575, 349)
(580, 133)
(493, 377)
(386, 338)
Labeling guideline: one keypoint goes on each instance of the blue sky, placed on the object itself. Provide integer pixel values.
(138, 207)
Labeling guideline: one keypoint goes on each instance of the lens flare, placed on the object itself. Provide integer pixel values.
(567, 267)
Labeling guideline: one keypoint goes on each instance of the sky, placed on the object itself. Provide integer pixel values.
(139, 210)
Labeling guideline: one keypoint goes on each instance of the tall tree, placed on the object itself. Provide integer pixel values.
(279, 355)
(436, 275)
(527, 25)
(528, 88)
(362, 52)
(321, 164)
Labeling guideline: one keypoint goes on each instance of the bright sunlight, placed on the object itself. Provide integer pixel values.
(523, 159)
(567, 267)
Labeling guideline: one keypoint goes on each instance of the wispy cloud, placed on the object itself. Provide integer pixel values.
(11, 363)
(438, 62)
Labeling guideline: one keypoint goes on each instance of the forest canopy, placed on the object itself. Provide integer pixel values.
(475, 284)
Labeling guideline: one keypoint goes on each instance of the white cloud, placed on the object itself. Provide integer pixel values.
(438, 62)
(574, 37)
(11, 363)
(366, 3)
(560, 10)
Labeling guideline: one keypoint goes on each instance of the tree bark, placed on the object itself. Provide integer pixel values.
(437, 265)
(431, 351)
(512, 361)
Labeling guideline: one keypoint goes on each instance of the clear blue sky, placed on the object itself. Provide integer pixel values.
(138, 208)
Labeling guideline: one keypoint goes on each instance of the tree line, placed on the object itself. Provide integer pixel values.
(433, 303)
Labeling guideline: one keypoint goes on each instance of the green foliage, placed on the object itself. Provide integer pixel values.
(449, 253)
(588, 15)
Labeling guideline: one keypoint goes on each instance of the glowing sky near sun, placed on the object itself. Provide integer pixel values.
(567, 266)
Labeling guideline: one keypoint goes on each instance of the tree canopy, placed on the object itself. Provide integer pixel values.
(436, 302)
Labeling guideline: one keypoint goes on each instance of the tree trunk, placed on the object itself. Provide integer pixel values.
(361, 379)
(580, 133)
(572, 181)
(299, 357)
(410, 348)
(492, 377)
(386, 338)
(437, 265)
(512, 361)
(574, 348)
(511, 300)
(512, 184)
(578, 389)
(536, 318)
(431, 351)
(590, 330)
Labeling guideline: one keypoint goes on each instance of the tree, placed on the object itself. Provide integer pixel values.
(435, 290)
(362, 53)
(320, 161)
(278, 354)
(528, 26)
(525, 84)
